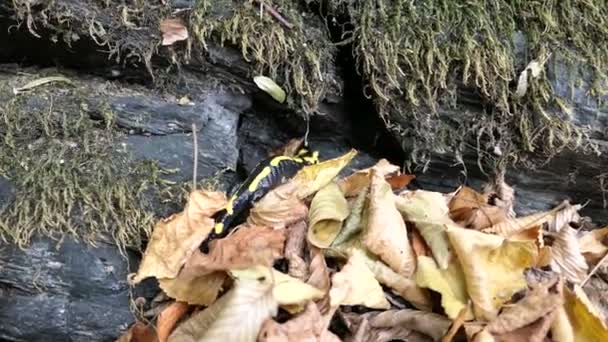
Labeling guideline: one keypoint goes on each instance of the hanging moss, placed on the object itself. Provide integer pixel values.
(423, 60)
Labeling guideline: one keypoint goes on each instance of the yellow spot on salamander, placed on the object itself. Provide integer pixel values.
(313, 159)
(230, 205)
(275, 161)
(218, 228)
(256, 181)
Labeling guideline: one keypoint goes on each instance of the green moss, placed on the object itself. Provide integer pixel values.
(299, 59)
(416, 56)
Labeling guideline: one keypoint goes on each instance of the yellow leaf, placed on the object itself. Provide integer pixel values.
(450, 283)
(355, 284)
(327, 211)
(493, 267)
(236, 316)
(567, 258)
(311, 178)
(429, 212)
(386, 235)
(288, 290)
(277, 212)
(194, 289)
(561, 329)
(175, 239)
(587, 324)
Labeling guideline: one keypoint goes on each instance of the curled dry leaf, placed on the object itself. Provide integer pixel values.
(534, 332)
(355, 284)
(356, 220)
(168, 318)
(270, 87)
(471, 209)
(294, 250)
(594, 244)
(306, 326)
(386, 235)
(173, 30)
(193, 288)
(176, 238)
(429, 212)
(587, 323)
(353, 184)
(275, 210)
(567, 257)
(450, 283)
(493, 267)
(328, 210)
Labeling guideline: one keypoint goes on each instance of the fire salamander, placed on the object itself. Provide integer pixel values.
(267, 175)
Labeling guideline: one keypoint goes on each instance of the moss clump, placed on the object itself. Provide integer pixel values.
(423, 60)
(300, 59)
(70, 174)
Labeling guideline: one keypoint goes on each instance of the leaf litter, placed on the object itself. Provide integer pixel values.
(368, 259)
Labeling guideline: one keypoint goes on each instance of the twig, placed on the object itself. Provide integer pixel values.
(274, 13)
(594, 270)
(195, 166)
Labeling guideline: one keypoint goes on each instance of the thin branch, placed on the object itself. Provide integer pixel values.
(597, 266)
(274, 13)
(195, 166)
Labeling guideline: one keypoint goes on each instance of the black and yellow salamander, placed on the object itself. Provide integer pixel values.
(267, 175)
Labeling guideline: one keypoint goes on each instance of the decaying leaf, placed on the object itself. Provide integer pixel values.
(275, 211)
(594, 244)
(356, 220)
(493, 267)
(429, 212)
(139, 332)
(294, 250)
(399, 181)
(319, 275)
(289, 291)
(306, 326)
(193, 288)
(561, 329)
(290, 149)
(418, 245)
(386, 235)
(168, 318)
(587, 323)
(534, 332)
(328, 210)
(176, 238)
(567, 257)
(173, 30)
(353, 184)
(450, 283)
(236, 316)
(311, 178)
(39, 82)
(355, 284)
(269, 86)
(471, 209)
(430, 324)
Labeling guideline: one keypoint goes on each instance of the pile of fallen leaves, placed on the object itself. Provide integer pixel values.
(365, 259)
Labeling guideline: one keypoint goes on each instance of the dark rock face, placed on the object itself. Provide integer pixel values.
(7, 193)
(65, 292)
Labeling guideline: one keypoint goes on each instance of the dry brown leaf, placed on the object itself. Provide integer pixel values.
(139, 332)
(457, 323)
(307, 326)
(294, 250)
(356, 221)
(400, 181)
(430, 324)
(168, 318)
(418, 245)
(534, 332)
(493, 267)
(594, 245)
(567, 257)
(356, 182)
(328, 210)
(587, 323)
(355, 284)
(176, 238)
(319, 276)
(471, 209)
(386, 235)
(311, 178)
(429, 212)
(276, 211)
(173, 30)
(503, 194)
(361, 331)
(289, 149)
(193, 288)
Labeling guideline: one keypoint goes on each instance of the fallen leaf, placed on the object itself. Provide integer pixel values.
(319, 276)
(534, 332)
(567, 257)
(236, 316)
(587, 323)
(386, 235)
(471, 209)
(294, 250)
(356, 220)
(430, 324)
(39, 82)
(139, 332)
(355, 284)
(418, 245)
(361, 331)
(353, 184)
(193, 288)
(561, 329)
(400, 181)
(168, 318)
(290, 291)
(276, 211)
(493, 267)
(563, 215)
(306, 326)
(173, 30)
(176, 238)
(594, 245)
(290, 149)
(328, 210)
(457, 323)
(429, 212)
(311, 178)
(270, 87)
(450, 283)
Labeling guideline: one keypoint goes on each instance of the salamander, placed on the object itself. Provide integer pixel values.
(267, 175)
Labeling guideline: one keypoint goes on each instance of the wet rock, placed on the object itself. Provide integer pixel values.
(65, 291)
(7, 193)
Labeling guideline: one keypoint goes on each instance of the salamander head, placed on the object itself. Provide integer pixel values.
(308, 156)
